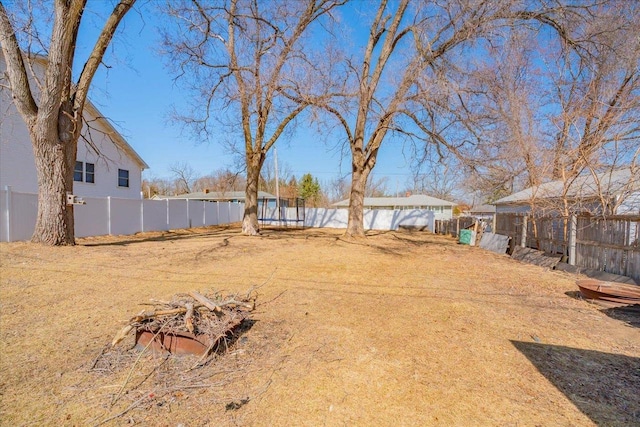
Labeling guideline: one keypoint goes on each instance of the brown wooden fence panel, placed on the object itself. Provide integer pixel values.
(510, 225)
(441, 227)
(451, 226)
(609, 244)
(466, 222)
(548, 234)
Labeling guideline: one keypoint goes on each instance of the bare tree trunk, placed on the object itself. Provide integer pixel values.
(355, 226)
(54, 166)
(55, 120)
(250, 224)
(54, 140)
(260, 64)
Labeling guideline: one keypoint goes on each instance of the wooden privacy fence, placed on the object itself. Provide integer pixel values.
(548, 234)
(453, 226)
(607, 244)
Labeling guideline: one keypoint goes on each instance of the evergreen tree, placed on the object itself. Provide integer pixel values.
(309, 189)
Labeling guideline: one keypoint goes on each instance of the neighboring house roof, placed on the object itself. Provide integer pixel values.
(413, 200)
(216, 196)
(584, 187)
(490, 209)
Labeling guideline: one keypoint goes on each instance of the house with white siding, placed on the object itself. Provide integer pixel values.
(106, 165)
(442, 209)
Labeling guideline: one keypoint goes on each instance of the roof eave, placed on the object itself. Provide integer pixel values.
(118, 139)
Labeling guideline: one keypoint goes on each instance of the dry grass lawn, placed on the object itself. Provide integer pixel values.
(403, 328)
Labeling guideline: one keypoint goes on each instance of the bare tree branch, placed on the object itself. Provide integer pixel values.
(16, 70)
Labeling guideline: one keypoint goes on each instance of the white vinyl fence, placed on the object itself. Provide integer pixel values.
(374, 219)
(114, 216)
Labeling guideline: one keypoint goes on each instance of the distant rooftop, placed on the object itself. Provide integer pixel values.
(483, 209)
(585, 186)
(413, 200)
(216, 196)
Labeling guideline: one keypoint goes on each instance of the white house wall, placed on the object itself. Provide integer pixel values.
(107, 163)
(17, 164)
(445, 215)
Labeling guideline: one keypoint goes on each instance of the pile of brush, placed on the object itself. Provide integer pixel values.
(187, 320)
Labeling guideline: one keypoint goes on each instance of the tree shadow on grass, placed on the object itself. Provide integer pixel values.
(162, 236)
(603, 386)
(629, 314)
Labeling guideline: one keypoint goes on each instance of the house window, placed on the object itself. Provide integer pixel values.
(77, 172)
(84, 172)
(123, 178)
(89, 173)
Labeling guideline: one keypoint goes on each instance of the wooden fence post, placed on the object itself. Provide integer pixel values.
(523, 243)
(573, 231)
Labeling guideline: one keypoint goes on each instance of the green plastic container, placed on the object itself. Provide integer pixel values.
(467, 237)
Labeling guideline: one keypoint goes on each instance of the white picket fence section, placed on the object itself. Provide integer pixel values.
(115, 216)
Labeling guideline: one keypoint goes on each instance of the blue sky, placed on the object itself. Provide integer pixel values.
(137, 93)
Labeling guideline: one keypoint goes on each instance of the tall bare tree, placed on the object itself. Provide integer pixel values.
(440, 179)
(560, 111)
(153, 185)
(223, 180)
(402, 80)
(53, 114)
(249, 61)
(513, 106)
(595, 127)
(337, 189)
(376, 186)
(580, 93)
(184, 177)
